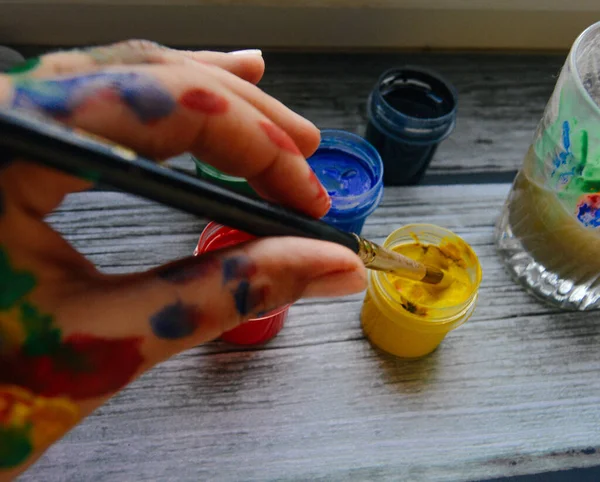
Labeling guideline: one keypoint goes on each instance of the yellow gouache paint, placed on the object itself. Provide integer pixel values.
(410, 318)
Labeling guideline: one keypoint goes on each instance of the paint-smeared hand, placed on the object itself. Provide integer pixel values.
(71, 337)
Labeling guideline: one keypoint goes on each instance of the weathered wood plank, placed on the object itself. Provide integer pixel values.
(513, 391)
(501, 99)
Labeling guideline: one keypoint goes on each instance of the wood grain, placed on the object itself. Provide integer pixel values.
(513, 391)
(501, 99)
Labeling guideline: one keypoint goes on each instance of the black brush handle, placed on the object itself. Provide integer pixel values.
(56, 146)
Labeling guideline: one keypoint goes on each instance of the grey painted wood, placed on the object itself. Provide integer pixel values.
(501, 99)
(513, 391)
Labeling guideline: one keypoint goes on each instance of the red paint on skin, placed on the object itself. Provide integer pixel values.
(204, 101)
(322, 194)
(84, 366)
(279, 137)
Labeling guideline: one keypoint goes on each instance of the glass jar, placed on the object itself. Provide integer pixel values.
(548, 234)
(395, 325)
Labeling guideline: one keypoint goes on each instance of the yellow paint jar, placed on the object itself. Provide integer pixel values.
(410, 319)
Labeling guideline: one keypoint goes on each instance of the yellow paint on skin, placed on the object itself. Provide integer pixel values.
(410, 318)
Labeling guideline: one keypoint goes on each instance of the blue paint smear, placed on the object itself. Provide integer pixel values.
(588, 216)
(236, 267)
(184, 273)
(175, 321)
(147, 99)
(563, 158)
(342, 174)
(241, 296)
(566, 136)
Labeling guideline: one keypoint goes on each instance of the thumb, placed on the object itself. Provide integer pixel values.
(195, 300)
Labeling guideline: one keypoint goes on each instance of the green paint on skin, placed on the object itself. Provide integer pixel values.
(42, 338)
(14, 285)
(15, 446)
(25, 67)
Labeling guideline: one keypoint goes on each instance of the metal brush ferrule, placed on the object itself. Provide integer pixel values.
(378, 258)
(367, 250)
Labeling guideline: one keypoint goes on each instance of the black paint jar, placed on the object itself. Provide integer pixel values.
(410, 111)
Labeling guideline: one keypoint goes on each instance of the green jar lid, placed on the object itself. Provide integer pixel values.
(238, 184)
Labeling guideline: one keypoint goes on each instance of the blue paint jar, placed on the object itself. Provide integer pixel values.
(351, 170)
(410, 111)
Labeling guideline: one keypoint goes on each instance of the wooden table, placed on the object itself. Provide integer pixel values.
(514, 391)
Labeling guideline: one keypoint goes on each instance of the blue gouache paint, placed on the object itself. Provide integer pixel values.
(351, 171)
(146, 98)
(175, 321)
(341, 173)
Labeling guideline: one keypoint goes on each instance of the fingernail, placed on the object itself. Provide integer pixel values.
(340, 283)
(247, 52)
(320, 193)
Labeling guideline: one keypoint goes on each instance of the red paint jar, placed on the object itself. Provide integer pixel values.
(256, 330)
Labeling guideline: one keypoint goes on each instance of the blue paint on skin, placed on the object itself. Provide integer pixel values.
(175, 321)
(237, 267)
(341, 173)
(187, 271)
(147, 99)
(247, 298)
(241, 296)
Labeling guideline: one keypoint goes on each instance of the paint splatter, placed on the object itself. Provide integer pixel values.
(29, 422)
(61, 98)
(247, 298)
(562, 158)
(279, 137)
(237, 271)
(188, 270)
(588, 210)
(82, 367)
(14, 285)
(175, 321)
(42, 336)
(204, 101)
(237, 268)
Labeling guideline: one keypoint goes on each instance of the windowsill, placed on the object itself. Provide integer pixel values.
(409, 24)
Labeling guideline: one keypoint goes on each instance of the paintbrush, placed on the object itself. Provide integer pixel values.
(80, 154)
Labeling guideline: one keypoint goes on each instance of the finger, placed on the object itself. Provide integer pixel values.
(163, 111)
(306, 136)
(195, 300)
(247, 65)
